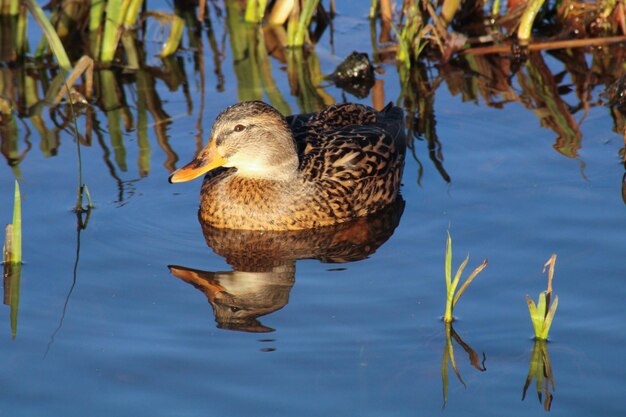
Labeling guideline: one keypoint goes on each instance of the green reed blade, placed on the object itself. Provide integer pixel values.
(16, 253)
(527, 20)
(448, 262)
(96, 11)
(50, 34)
(448, 10)
(549, 317)
(14, 7)
(132, 13)
(7, 249)
(535, 317)
(457, 277)
(21, 43)
(495, 8)
(373, 8)
(468, 281)
(172, 42)
(541, 305)
(111, 34)
(301, 34)
(255, 11)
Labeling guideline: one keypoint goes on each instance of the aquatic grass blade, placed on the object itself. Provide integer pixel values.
(96, 10)
(177, 26)
(16, 255)
(132, 13)
(457, 278)
(495, 8)
(50, 34)
(255, 11)
(299, 36)
(448, 263)
(535, 317)
(112, 33)
(448, 10)
(549, 317)
(468, 281)
(21, 44)
(541, 305)
(8, 244)
(527, 20)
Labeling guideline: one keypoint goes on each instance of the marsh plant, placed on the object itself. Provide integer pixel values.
(540, 370)
(13, 241)
(452, 295)
(543, 312)
(448, 357)
(13, 260)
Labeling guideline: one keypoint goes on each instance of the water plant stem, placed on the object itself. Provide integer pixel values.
(255, 11)
(300, 36)
(452, 296)
(495, 8)
(16, 256)
(13, 242)
(527, 20)
(542, 313)
(449, 9)
(112, 34)
(50, 34)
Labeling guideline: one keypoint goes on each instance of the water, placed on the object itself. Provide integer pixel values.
(123, 336)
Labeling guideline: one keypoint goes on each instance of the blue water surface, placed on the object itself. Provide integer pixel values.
(123, 337)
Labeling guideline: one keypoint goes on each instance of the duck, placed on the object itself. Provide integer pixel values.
(264, 171)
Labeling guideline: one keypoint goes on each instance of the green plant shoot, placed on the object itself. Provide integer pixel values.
(13, 241)
(542, 313)
(452, 296)
(528, 18)
(50, 34)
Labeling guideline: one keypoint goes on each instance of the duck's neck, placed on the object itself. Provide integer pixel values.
(285, 170)
(276, 161)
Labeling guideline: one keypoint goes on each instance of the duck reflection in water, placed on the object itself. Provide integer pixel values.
(264, 263)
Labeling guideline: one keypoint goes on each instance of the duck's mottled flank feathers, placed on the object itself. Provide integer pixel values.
(351, 159)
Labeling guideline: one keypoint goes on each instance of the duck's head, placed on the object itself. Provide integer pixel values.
(252, 137)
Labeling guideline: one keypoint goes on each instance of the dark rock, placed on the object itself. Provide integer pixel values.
(355, 75)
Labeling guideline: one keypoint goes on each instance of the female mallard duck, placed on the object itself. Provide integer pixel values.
(299, 172)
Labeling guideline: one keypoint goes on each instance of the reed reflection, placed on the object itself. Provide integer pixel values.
(11, 277)
(448, 357)
(264, 264)
(540, 369)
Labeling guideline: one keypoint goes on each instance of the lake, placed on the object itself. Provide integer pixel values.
(126, 315)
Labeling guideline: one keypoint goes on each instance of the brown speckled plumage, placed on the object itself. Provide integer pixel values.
(303, 171)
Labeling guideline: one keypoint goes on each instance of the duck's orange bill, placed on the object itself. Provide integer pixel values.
(207, 160)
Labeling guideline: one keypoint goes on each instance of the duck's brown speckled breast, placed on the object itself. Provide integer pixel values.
(234, 202)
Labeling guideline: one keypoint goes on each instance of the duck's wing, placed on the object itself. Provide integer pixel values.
(308, 128)
(356, 158)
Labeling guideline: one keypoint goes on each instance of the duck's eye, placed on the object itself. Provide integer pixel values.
(239, 128)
